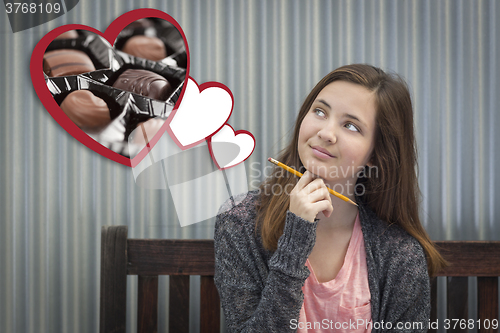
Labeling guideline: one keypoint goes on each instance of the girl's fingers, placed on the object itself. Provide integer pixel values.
(309, 197)
(315, 185)
(306, 178)
(319, 194)
(327, 212)
(323, 206)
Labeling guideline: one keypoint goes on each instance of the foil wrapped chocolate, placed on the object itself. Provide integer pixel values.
(68, 35)
(109, 124)
(153, 39)
(109, 93)
(97, 50)
(151, 48)
(86, 110)
(66, 62)
(145, 83)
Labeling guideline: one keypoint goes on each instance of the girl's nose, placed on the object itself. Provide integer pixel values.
(327, 134)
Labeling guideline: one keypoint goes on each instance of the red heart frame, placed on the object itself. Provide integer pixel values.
(38, 80)
(209, 143)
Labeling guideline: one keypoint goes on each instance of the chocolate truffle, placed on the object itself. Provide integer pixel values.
(66, 62)
(145, 131)
(86, 110)
(145, 83)
(145, 47)
(68, 35)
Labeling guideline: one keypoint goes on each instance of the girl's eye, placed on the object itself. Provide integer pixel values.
(319, 112)
(352, 127)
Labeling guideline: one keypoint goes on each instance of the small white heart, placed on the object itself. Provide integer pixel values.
(227, 158)
(203, 111)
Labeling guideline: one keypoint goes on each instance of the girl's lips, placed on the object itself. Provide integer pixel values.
(321, 154)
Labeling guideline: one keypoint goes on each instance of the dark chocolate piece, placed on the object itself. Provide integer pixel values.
(145, 83)
(86, 110)
(66, 62)
(145, 47)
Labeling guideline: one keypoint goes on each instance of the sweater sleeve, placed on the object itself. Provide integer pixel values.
(257, 296)
(407, 292)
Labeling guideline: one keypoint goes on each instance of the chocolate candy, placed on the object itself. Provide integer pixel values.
(113, 89)
(86, 110)
(68, 35)
(151, 48)
(145, 83)
(145, 131)
(66, 62)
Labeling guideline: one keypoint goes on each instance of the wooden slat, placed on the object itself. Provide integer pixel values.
(170, 257)
(470, 258)
(113, 279)
(433, 302)
(209, 306)
(487, 303)
(147, 310)
(457, 302)
(179, 304)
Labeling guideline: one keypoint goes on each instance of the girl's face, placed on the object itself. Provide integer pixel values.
(337, 135)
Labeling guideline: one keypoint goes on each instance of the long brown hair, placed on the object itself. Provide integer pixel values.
(393, 194)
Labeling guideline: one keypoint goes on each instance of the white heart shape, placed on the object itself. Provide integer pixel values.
(203, 111)
(243, 139)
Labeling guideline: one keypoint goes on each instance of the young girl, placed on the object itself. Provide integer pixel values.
(292, 257)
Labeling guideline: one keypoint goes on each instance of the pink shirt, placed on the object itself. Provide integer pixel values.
(342, 304)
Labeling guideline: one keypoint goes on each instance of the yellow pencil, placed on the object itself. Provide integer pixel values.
(298, 174)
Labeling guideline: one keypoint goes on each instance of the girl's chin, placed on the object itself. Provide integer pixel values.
(330, 177)
(322, 171)
(322, 174)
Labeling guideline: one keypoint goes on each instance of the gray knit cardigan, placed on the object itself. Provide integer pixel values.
(261, 291)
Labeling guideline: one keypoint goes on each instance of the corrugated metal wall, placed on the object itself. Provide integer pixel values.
(55, 194)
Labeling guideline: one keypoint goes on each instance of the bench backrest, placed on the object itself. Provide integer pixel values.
(149, 258)
(469, 258)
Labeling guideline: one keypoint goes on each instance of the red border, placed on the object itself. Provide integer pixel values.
(36, 69)
(209, 141)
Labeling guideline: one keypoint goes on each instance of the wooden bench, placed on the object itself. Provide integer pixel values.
(468, 258)
(149, 258)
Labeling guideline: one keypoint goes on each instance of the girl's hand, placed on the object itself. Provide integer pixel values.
(309, 197)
